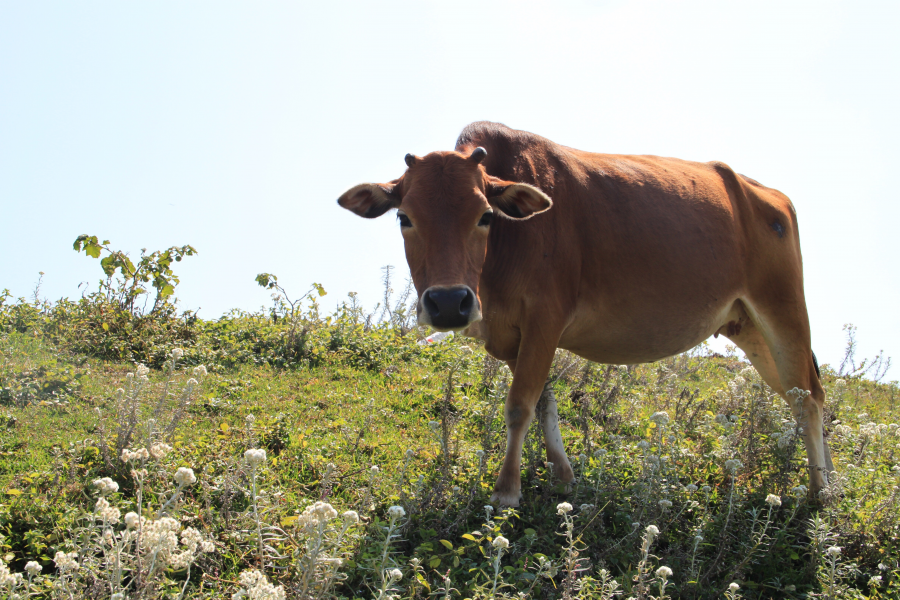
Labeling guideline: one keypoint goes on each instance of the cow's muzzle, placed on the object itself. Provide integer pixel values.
(449, 307)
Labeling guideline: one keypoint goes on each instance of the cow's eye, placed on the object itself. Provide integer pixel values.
(486, 219)
(404, 220)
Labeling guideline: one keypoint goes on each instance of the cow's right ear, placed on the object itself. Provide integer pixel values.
(371, 200)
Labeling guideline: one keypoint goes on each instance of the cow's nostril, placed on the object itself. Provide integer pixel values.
(465, 307)
(430, 305)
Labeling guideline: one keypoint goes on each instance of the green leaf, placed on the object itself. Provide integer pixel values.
(447, 544)
(469, 536)
(14, 492)
(423, 581)
(266, 280)
(434, 562)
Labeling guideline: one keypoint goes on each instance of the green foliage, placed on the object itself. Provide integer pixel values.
(154, 268)
(334, 395)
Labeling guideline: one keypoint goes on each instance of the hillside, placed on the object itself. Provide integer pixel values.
(690, 471)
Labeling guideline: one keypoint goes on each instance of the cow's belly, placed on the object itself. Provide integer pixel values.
(643, 333)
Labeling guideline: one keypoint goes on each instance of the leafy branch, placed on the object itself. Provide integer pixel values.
(154, 268)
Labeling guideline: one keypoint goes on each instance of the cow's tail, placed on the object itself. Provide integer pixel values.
(816, 365)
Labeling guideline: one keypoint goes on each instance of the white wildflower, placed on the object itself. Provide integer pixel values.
(691, 488)
(142, 370)
(563, 508)
(665, 504)
(796, 395)
(500, 542)
(733, 587)
(132, 520)
(395, 574)
(66, 562)
(107, 513)
(652, 530)
(255, 457)
(185, 476)
(733, 465)
(107, 486)
(177, 353)
(351, 517)
(258, 587)
(159, 450)
(773, 500)
(396, 512)
(199, 370)
(434, 425)
(661, 418)
(834, 551)
(130, 455)
(799, 491)
(664, 572)
(33, 568)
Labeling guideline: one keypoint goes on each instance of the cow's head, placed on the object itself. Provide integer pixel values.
(446, 203)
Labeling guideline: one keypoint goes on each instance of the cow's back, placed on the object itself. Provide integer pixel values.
(630, 242)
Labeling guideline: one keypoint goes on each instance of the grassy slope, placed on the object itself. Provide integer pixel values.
(355, 417)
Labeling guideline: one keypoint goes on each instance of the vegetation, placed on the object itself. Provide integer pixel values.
(288, 453)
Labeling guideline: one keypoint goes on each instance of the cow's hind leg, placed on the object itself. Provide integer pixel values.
(778, 347)
(556, 451)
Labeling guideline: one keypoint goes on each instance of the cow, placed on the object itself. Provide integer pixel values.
(531, 246)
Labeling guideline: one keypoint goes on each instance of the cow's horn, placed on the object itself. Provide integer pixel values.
(410, 160)
(478, 154)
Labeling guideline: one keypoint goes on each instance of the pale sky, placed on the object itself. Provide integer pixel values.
(234, 127)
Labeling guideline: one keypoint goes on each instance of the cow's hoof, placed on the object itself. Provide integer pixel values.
(510, 499)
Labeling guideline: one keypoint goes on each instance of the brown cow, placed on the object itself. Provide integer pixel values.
(634, 259)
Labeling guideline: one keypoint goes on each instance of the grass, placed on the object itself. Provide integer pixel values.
(343, 398)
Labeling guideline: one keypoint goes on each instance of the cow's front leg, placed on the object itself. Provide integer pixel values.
(530, 371)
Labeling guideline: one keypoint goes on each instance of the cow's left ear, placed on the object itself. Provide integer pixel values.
(516, 200)
(371, 200)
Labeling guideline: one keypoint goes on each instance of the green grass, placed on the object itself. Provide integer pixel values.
(354, 398)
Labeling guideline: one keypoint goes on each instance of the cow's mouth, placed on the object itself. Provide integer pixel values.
(449, 308)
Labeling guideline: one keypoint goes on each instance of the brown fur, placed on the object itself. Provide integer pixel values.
(639, 258)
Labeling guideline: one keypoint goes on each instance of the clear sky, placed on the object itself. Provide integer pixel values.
(234, 126)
